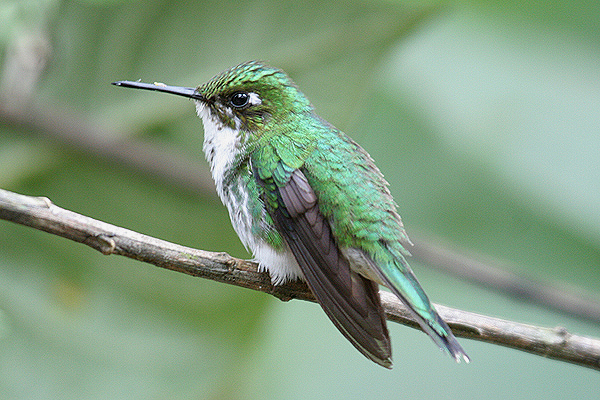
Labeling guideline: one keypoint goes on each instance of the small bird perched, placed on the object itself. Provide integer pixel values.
(309, 203)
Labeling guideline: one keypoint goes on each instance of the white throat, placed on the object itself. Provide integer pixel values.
(221, 145)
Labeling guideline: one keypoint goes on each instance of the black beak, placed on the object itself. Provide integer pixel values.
(160, 87)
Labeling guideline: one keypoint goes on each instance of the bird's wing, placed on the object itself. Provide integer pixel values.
(350, 300)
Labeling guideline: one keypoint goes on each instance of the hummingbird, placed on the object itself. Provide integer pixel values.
(309, 203)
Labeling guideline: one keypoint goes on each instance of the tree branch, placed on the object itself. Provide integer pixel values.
(40, 213)
(67, 129)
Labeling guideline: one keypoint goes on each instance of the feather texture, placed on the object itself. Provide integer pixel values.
(309, 203)
(350, 300)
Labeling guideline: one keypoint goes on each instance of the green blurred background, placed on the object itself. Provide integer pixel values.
(484, 117)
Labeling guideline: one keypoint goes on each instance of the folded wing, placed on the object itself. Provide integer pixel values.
(350, 300)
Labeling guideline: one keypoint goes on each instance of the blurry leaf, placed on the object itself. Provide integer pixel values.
(22, 158)
(445, 98)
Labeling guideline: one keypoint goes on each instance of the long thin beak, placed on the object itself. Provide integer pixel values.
(161, 87)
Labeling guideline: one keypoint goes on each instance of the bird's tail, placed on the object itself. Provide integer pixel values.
(400, 279)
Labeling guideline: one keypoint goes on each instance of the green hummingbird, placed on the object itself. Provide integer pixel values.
(309, 203)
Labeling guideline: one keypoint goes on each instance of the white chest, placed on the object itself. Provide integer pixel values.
(222, 147)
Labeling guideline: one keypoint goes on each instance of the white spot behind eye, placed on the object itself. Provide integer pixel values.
(254, 99)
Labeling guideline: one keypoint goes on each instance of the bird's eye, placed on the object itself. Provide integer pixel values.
(239, 99)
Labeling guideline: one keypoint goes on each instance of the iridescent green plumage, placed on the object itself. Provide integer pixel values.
(310, 203)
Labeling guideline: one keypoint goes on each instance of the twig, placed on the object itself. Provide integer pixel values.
(189, 176)
(40, 213)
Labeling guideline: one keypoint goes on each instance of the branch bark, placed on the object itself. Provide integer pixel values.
(40, 213)
(69, 130)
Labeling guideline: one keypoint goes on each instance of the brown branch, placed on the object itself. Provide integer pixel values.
(189, 176)
(40, 213)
